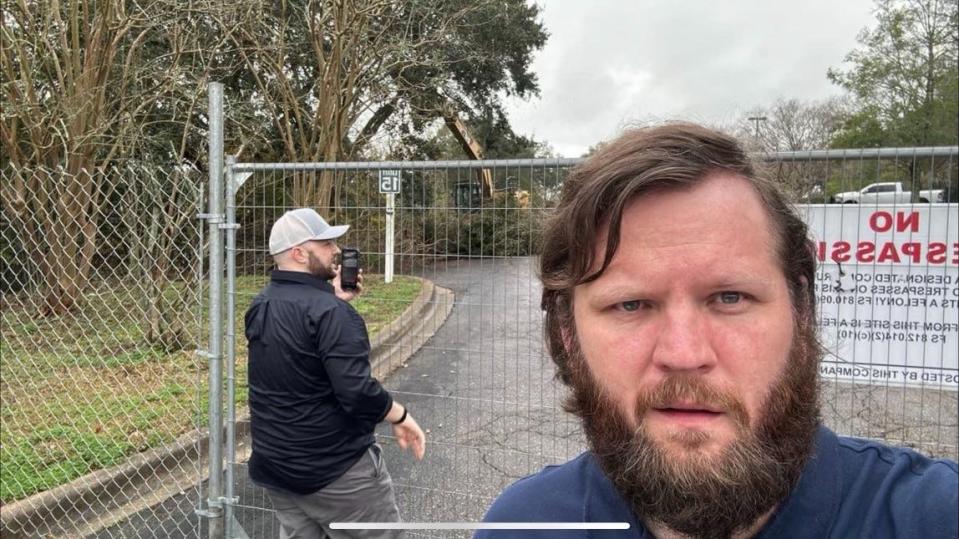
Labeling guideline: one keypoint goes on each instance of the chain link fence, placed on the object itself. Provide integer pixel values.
(101, 297)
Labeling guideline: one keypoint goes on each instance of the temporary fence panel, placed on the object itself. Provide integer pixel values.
(885, 225)
(480, 373)
(482, 384)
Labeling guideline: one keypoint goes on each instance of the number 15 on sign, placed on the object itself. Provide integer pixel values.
(389, 181)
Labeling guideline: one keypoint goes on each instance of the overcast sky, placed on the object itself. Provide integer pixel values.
(611, 63)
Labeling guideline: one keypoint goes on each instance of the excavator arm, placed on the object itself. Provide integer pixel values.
(471, 147)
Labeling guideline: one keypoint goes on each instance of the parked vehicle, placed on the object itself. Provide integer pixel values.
(887, 193)
(932, 195)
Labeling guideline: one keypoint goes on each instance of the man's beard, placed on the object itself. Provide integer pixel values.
(316, 268)
(693, 493)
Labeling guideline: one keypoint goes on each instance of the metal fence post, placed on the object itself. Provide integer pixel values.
(214, 510)
(231, 226)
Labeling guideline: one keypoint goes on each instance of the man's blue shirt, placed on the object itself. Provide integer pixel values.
(849, 488)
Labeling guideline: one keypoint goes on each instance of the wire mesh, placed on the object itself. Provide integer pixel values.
(483, 384)
(884, 223)
(103, 290)
(101, 319)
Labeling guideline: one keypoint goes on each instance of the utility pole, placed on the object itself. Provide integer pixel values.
(756, 120)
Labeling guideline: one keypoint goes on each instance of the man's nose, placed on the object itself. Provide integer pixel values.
(684, 342)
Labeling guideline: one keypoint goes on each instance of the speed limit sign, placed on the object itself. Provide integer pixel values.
(390, 181)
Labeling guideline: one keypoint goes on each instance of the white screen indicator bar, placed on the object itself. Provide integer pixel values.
(479, 525)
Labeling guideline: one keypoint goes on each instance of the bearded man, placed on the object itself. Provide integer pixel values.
(678, 287)
(313, 402)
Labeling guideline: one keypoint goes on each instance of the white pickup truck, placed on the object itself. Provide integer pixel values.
(887, 193)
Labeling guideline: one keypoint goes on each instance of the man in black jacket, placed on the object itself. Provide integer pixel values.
(313, 402)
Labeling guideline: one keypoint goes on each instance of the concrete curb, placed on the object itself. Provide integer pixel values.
(398, 341)
(150, 477)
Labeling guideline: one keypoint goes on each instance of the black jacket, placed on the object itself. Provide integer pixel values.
(313, 401)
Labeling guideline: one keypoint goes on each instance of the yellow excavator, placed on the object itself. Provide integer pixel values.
(471, 147)
(467, 194)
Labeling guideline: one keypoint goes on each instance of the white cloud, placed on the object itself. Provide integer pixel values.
(612, 63)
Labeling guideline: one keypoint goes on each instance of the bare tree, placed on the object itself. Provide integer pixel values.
(793, 125)
(85, 84)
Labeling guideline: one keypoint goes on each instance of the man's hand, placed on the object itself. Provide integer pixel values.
(347, 295)
(409, 435)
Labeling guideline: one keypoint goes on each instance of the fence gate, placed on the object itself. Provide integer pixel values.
(478, 382)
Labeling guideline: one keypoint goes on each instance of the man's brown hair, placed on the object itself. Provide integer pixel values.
(672, 156)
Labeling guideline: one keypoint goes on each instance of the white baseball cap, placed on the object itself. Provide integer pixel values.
(301, 225)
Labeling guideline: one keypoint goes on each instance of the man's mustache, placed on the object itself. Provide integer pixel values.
(690, 392)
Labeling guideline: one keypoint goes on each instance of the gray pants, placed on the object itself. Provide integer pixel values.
(363, 494)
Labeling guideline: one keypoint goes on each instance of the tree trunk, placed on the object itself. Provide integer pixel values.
(67, 239)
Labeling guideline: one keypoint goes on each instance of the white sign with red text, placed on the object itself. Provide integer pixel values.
(888, 292)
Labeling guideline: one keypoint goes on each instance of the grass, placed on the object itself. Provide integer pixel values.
(84, 391)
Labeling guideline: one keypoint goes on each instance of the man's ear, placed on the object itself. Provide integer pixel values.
(298, 255)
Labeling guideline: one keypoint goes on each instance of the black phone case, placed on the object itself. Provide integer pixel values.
(349, 268)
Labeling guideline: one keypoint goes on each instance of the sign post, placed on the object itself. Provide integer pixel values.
(389, 185)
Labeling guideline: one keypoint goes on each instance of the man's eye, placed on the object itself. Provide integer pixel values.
(730, 298)
(630, 306)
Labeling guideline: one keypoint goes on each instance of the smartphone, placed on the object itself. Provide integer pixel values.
(349, 268)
